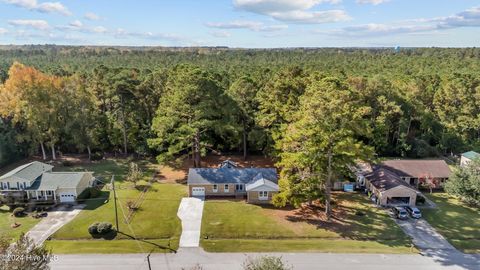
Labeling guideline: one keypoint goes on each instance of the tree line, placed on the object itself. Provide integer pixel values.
(313, 117)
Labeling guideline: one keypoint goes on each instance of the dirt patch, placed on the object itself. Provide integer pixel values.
(296, 218)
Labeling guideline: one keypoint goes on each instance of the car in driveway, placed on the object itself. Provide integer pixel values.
(413, 212)
(400, 212)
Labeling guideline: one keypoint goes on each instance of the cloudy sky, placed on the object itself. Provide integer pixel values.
(242, 23)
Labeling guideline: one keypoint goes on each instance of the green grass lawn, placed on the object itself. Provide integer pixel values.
(156, 220)
(455, 221)
(239, 227)
(121, 246)
(6, 219)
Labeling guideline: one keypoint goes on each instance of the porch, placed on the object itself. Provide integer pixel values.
(42, 195)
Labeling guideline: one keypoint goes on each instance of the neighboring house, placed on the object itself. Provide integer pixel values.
(35, 182)
(467, 157)
(414, 171)
(257, 184)
(388, 188)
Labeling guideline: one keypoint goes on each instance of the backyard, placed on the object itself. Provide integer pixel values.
(155, 222)
(458, 223)
(357, 227)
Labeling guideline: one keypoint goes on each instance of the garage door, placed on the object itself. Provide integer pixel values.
(198, 191)
(67, 197)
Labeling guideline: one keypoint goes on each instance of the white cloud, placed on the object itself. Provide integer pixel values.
(467, 18)
(76, 23)
(372, 2)
(296, 11)
(251, 25)
(99, 29)
(45, 7)
(91, 16)
(220, 34)
(36, 24)
(3, 31)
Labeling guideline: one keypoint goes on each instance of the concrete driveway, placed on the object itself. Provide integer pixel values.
(190, 212)
(423, 234)
(54, 221)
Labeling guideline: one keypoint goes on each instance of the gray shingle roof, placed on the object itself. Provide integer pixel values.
(229, 175)
(384, 179)
(55, 180)
(26, 173)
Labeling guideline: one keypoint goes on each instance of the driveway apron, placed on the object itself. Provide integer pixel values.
(54, 221)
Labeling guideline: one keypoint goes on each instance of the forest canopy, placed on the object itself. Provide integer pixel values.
(171, 102)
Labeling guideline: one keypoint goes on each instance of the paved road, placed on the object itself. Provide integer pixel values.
(54, 221)
(190, 212)
(188, 257)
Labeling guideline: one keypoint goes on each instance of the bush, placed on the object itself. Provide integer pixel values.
(96, 156)
(420, 200)
(104, 228)
(265, 263)
(93, 229)
(359, 213)
(67, 163)
(19, 212)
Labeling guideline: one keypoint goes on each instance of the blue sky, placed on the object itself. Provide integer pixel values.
(242, 23)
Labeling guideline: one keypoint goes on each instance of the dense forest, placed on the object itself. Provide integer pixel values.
(287, 103)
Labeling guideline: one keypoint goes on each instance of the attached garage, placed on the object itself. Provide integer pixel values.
(198, 191)
(67, 197)
(389, 189)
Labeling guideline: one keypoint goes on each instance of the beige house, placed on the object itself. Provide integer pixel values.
(389, 189)
(257, 185)
(35, 182)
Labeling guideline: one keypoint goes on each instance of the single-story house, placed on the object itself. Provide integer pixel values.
(412, 171)
(388, 188)
(35, 182)
(257, 184)
(467, 157)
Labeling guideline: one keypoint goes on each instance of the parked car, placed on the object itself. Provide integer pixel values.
(414, 212)
(400, 212)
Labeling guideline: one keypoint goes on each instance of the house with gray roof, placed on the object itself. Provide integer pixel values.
(35, 182)
(258, 185)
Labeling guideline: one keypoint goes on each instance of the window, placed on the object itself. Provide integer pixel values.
(263, 195)
(225, 188)
(49, 193)
(238, 187)
(215, 188)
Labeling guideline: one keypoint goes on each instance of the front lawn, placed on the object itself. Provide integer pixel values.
(459, 224)
(357, 227)
(156, 221)
(6, 220)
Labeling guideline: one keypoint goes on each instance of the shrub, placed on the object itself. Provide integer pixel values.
(420, 200)
(93, 229)
(97, 156)
(265, 263)
(131, 205)
(104, 228)
(359, 213)
(19, 212)
(67, 163)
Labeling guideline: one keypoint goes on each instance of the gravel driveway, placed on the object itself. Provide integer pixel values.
(190, 212)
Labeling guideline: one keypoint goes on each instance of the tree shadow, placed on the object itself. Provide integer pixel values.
(148, 242)
(94, 203)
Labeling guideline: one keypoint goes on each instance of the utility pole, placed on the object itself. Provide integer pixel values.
(115, 202)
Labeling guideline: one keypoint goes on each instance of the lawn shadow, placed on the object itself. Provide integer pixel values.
(94, 203)
(148, 242)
